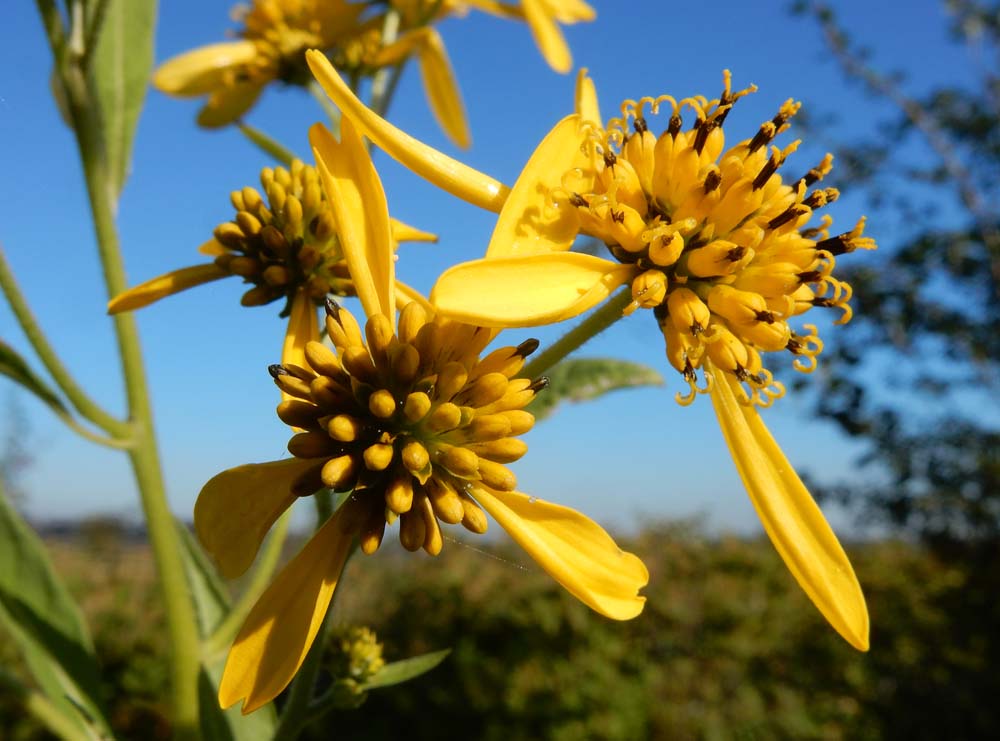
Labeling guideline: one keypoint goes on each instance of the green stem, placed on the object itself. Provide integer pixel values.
(609, 313)
(144, 457)
(332, 112)
(264, 142)
(86, 406)
(224, 634)
(386, 79)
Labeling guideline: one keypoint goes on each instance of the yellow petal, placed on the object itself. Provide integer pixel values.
(575, 551)
(213, 248)
(355, 193)
(203, 70)
(236, 508)
(229, 104)
(571, 11)
(547, 35)
(406, 294)
(526, 291)
(303, 327)
(281, 627)
(495, 8)
(402, 232)
(586, 99)
(530, 222)
(165, 285)
(449, 174)
(442, 89)
(791, 518)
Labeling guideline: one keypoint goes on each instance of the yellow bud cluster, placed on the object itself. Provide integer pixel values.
(284, 240)
(406, 420)
(353, 656)
(716, 237)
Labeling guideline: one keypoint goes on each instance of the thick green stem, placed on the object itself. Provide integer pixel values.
(86, 406)
(44, 711)
(609, 313)
(144, 456)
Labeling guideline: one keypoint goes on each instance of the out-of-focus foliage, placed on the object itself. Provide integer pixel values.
(728, 647)
(916, 374)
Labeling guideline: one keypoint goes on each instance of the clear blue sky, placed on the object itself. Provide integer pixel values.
(632, 454)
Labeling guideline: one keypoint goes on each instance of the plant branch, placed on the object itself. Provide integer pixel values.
(599, 320)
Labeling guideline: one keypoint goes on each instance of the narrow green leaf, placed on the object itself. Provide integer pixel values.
(119, 66)
(405, 670)
(41, 616)
(211, 598)
(266, 144)
(583, 379)
(14, 367)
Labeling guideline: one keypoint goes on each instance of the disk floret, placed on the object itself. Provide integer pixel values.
(284, 241)
(717, 238)
(412, 422)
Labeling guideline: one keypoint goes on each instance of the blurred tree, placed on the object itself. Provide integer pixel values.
(931, 294)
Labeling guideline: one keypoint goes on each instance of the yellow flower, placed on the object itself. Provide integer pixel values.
(712, 240)
(285, 244)
(270, 48)
(416, 425)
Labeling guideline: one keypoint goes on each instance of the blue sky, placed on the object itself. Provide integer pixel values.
(632, 454)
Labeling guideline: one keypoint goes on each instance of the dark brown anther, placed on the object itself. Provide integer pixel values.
(674, 126)
(737, 253)
(332, 309)
(539, 383)
(813, 176)
(764, 135)
(696, 329)
(618, 216)
(822, 302)
(765, 316)
(609, 158)
(527, 347)
(277, 370)
(792, 212)
(820, 198)
(689, 375)
(741, 373)
(794, 346)
(712, 181)
(810, 276)
(766, 172)
(577, 200)
(704, 129)
(839, 245)
(640, 125)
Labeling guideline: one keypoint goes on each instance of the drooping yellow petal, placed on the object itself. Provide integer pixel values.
(402, 232)
(576, 551)
(303, 327)
(407, 294)
(531, 222)
(571, 11)
(791, 518)
(442, 88)
(281, 627)
(165, 285)
(447, 173)
(236, 508)
(526, 291)
(203, 70)
(548, 35)
(585, 98)
(358, 202)
(229, 104)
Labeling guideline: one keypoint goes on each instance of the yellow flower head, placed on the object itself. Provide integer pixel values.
(270, 48)
(711, 240)
(415, 425)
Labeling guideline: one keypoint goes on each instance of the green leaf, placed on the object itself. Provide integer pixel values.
(14, 367)
(209, 593)
(405, 670)
(119, 67)
(41, 616)
(583, 379)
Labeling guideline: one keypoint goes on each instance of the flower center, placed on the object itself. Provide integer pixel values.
(285, 243)
(717, 237)
(407, 422)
